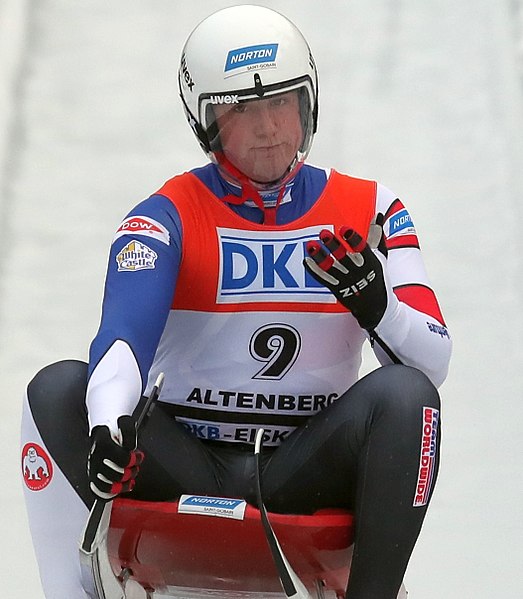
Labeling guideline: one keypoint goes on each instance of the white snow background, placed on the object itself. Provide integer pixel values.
(425, 96)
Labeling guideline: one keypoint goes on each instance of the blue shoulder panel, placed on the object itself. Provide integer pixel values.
(140, 282)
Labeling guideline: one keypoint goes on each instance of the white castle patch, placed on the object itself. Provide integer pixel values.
(136, 256)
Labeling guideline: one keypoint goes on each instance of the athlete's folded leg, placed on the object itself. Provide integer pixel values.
(364, 453)
(397, 470)
(55, 443)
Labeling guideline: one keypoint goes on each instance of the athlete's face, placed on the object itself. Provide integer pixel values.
(261, 137)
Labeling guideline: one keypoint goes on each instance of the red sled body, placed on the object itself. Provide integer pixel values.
(213, 553)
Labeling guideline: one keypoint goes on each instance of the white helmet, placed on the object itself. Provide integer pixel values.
(244, 53)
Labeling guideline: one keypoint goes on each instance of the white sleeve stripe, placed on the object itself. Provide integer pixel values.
(114, 387)
(405, 267)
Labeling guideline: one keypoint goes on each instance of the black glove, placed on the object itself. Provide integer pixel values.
(354, 274)
(113, 463)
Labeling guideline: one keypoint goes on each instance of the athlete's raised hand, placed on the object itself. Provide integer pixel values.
(353, 271)
(114, 461)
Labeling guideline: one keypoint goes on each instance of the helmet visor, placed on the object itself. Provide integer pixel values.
(264, 133)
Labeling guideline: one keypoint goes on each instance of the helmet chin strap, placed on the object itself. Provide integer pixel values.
(249, 190)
